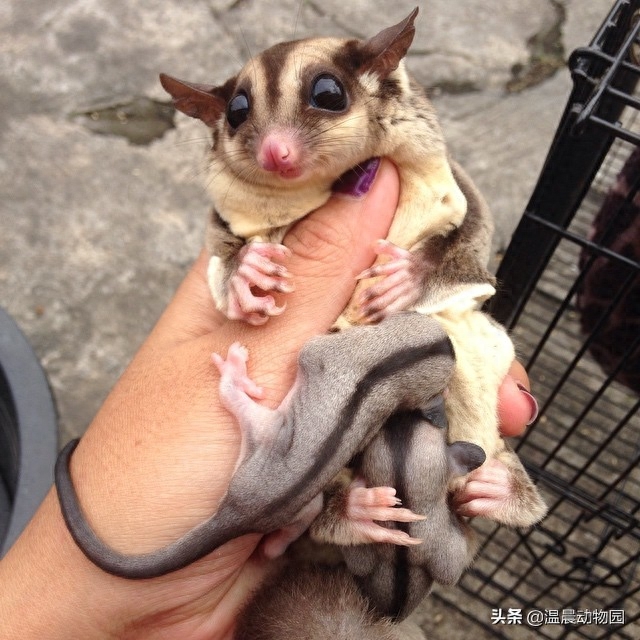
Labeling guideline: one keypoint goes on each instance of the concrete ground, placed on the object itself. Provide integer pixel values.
(103, 205)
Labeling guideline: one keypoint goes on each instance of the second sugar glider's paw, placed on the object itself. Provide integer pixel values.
(484, 490)
(368, 505)
(352, 515)
(398, 284)
(257, 270)
(238, 393)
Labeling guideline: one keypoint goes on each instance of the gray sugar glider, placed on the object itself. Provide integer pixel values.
(348, 385)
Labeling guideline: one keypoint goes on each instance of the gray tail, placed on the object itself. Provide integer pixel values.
(194, 545)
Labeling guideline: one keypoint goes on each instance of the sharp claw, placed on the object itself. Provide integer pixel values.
(366, 274)
(285, 288)
(276, 311)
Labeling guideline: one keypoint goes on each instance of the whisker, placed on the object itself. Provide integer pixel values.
(297, 20)
(246, 43)
(193, 141)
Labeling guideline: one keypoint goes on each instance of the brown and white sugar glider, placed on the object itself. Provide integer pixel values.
(285, 128)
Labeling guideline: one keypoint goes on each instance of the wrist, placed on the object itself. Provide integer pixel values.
(60, 594)
(48, 587)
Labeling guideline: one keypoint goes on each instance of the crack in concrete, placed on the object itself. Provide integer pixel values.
(346, 27)
(138, 119)
(547, 54)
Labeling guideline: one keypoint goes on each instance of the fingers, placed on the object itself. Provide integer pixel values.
(517, 408)
(378, 503)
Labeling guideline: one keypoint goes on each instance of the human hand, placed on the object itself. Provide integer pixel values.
(517, 408)
(159, 454)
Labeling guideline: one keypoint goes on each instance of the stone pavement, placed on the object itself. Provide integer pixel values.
(103, 205)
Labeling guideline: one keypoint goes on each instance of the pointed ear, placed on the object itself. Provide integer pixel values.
(383, 52)
(195, 100)
(464, 457)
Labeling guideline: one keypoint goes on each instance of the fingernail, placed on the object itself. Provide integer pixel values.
(533, 403)
(357, 181)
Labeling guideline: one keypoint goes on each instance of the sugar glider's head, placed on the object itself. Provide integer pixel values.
(301, 111)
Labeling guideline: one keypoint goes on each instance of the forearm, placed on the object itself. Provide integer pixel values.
(128, 470)
(49, 590)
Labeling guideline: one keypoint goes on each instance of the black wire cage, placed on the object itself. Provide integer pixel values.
(570, 295)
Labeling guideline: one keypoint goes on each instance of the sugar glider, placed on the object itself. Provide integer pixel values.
(381, 584)
(284, 129)
(348, 385)
(411, 454)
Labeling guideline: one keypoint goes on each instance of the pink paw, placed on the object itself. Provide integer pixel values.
(398, 287)
(257, 270)
(486, 491)
(368, 504)
(233, 373)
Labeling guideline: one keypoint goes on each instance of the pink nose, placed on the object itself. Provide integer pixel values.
(278, 152)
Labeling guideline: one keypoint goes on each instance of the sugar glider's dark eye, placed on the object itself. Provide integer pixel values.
(328, 93)
(238, 109)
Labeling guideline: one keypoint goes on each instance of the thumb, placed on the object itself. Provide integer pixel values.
(334, 244)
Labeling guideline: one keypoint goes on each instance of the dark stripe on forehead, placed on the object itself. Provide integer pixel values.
(274, 61)
(350, 56)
